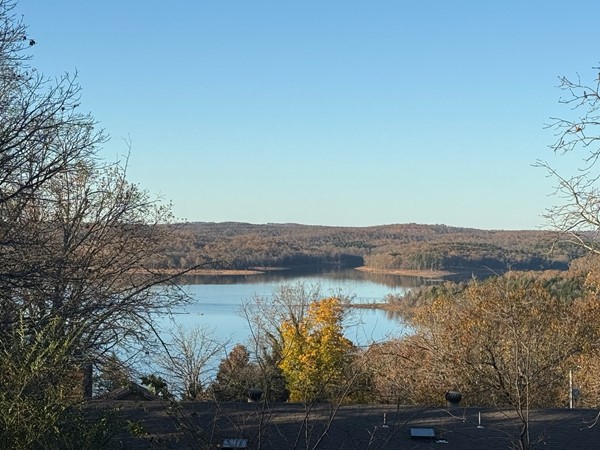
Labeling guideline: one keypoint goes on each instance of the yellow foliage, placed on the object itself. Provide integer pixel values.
(315, 352)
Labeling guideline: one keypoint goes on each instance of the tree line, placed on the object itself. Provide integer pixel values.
(402, 246)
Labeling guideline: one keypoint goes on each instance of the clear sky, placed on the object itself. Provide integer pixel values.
(327, 112)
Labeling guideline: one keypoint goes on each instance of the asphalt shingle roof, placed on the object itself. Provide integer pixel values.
(283, 426)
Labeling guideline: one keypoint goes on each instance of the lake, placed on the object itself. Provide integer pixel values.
(216, 301)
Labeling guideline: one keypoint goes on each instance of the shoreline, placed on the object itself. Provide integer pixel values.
(224, 272)
(408, 272)
(430, 274)
(211, 272)
(378, 305)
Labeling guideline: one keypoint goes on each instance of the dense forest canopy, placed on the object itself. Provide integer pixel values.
(234, 245)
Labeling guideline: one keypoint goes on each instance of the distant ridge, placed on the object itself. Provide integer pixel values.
(410, 246)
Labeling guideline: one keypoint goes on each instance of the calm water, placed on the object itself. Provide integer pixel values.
(217, 301)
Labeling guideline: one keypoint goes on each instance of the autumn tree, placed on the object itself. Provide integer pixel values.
(577, 216)
(236, 375)
(400, 372)
(315, 353)
(585, 366)
(507, 342)
(75, 235)
(289, 303)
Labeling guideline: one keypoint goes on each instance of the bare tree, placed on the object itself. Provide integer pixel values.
(80, 254)
(578, 215)
(189, 361)
(42, 131)
(78, 246)
(77, 240)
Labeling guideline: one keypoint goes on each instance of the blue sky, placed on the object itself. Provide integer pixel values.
(331, 112)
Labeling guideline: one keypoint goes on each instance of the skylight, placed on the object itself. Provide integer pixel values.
(234, 443)
(422, 432)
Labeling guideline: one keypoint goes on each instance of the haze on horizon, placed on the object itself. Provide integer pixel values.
(327, 113)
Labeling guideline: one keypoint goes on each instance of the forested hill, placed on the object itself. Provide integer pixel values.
(235, 245)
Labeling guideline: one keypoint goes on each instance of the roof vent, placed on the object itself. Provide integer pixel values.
(254, 395)
(453, 398)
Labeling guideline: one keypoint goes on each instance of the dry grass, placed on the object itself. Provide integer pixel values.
(408, 272)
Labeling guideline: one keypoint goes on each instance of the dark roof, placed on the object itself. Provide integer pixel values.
(132, 391)
(323, 426)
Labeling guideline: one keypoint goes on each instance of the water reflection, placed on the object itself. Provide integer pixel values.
(217, 299)
(326, 272)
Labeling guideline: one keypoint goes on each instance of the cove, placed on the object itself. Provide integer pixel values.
(216, 301)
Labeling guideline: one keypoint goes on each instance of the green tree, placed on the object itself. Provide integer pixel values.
(39, 385)
(34, 384)
(239, 373)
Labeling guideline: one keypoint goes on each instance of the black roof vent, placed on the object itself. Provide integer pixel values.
(453, 398)
(254, 394)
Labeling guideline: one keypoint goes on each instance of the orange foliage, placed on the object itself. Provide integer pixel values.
(507, 341)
